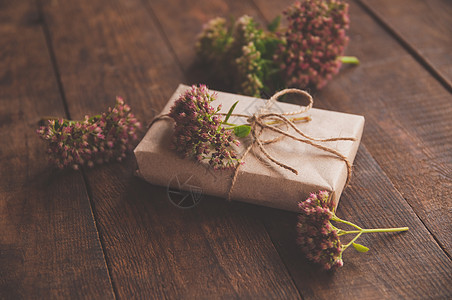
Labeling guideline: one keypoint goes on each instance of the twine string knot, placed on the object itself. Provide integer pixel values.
(264, 120)
(258, 123)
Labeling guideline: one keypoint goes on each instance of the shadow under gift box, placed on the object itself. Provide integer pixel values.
(259, 181)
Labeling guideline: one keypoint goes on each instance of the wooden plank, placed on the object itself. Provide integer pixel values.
(387, 273)
(153, 248)
(408, 124)
(353, 280)
(396, 266)
(422, 26)
(49, 247)
(408, 265)
(215, 249)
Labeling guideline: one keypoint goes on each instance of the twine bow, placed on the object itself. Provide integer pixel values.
(258, 124)
(262, 120)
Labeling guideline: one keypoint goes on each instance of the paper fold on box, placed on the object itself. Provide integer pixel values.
(259, 181)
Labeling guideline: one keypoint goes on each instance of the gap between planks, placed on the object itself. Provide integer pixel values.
(418, 58)
(256, 7)
(181, 67)
(99, 234)
(423, 61)
(45, 29)
(150, 12)
(164, 37)
(56, 71)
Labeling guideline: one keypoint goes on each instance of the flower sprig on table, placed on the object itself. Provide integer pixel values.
(94, 140)
(314, 42)
(319, 239)
(305, 54)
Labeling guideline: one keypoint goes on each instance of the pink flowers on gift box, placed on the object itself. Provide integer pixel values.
(313, 42)
(198, 132)
(98, 139)
(319, 239)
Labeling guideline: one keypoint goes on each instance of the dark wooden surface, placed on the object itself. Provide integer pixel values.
(103, 233)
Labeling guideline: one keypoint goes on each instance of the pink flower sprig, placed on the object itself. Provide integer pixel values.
(319, 239)
(313, 42)
(198, 130)
(305, 54)
(95, 140)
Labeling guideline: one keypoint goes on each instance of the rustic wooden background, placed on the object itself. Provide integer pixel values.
(103, 233)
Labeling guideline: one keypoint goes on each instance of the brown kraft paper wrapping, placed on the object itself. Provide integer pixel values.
(259, 181)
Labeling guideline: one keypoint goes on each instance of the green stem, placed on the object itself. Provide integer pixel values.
(361, 230)
(352, 241)
(385, 230)
(343, 232)
(353, 60)
(335, 218)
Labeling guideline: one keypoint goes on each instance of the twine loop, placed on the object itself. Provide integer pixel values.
(258, 123)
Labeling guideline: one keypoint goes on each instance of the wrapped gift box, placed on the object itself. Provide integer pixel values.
(259, 181)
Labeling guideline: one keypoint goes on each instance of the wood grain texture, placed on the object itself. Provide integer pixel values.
(408, 265)
(153, 248)
(142, 50)
(214, 250)
(191, 15)
(362, 277)
(424, 26)
(408, 126)
(49, 246)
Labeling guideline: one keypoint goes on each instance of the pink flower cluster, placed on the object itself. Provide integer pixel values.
(98, 139)
(318, 239)
(314, 41)
(198, 132)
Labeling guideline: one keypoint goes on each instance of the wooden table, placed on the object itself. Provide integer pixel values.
(103, 233)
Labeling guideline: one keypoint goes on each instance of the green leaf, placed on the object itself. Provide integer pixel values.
(242, 130)
(360, 248)
(349, 60)
(230, 112)
(273, 26)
